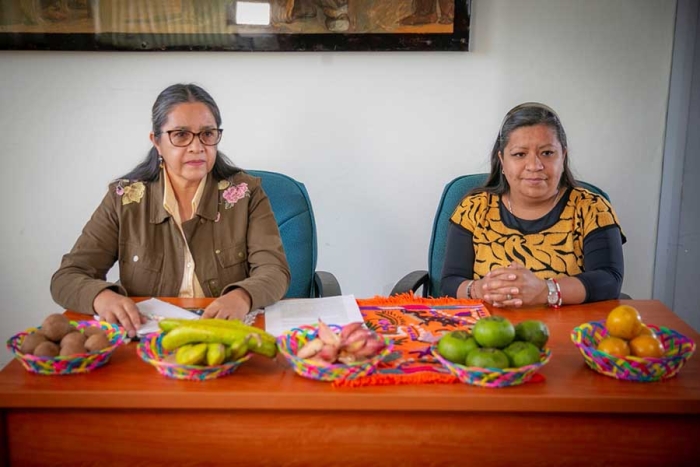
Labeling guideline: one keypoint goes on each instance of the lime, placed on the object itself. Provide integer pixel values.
(488, 358)
(522, 354)
(493, 331)
(455, 345)
(533, 331)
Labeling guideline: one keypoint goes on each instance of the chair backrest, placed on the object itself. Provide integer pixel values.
(451, 196)
(295, 219)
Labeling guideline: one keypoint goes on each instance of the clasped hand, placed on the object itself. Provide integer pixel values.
(511, 286)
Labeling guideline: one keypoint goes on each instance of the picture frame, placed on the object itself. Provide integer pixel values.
(231, 25)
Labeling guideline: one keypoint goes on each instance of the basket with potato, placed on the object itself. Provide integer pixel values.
(63, 347)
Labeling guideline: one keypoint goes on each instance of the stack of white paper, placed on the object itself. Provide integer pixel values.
(156, 310)
(288, 314)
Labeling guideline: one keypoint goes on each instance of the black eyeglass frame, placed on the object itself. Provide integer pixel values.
(193, 134)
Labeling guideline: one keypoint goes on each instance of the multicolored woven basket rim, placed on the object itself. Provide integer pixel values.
(150, 349)
(289, 342)
(492, 377)
(68, 365)
(679, 348)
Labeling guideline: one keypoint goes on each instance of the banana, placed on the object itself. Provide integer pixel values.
(216, 353)
(191, 354)
(181, 351)
(170, 324)
(259, 345)
(237, 350)
(187, 334)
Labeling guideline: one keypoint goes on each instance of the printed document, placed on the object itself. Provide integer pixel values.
(291, 313)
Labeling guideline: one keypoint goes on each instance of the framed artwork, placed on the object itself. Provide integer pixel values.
(230, 25)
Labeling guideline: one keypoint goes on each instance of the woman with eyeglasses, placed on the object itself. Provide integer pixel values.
(531, 235)
(185, 222)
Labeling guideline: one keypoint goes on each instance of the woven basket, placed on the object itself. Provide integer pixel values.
(68, 365)
(492, 377)
(678, 348)
(291, 341)
(150, 349)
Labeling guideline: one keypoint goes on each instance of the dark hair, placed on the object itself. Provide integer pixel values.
(527, 114)
(149, 169)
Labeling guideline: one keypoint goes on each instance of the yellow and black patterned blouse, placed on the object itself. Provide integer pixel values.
(554, 249)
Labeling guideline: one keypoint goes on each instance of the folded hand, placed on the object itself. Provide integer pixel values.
(512, 286)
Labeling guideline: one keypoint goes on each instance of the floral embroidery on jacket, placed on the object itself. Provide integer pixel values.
(130, 193)
(233, 193)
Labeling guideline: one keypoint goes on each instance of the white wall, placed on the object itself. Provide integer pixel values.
(374, 136)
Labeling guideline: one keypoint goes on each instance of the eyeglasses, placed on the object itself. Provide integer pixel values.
(183, 138)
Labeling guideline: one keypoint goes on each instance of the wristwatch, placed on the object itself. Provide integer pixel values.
(554, 293)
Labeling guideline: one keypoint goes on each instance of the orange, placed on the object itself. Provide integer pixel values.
(646, 346)
(646, 331)
(614, 346)
(624, 322)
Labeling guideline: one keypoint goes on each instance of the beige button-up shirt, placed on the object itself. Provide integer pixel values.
(190, 285)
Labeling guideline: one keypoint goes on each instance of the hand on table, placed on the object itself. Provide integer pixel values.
(118, 309)
(233, 305)
(512, 286)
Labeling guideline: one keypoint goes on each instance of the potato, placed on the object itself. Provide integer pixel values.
(56, 326)
(96, 342)
(30, 342)
(72, 348)
(73, 337)
(91, 330)
(46, 349)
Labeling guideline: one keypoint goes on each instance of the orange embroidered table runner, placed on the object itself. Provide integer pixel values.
(414, 323)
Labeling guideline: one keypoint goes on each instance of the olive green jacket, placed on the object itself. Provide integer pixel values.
(233, 238)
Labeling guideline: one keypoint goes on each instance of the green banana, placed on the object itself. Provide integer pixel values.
(258, 345)
(216, 353)
(170, 324)
(191, 354)
(181, 351)
(187, 334)
(237, 350)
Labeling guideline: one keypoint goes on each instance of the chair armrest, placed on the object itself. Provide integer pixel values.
(326, 285)
(411, 282)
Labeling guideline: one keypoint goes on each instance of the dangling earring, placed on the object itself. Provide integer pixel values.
(160, 161)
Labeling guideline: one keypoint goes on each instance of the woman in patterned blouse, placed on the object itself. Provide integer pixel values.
(531, 235)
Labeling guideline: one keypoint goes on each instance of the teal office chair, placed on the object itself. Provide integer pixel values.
(451, 196)
(295, 220)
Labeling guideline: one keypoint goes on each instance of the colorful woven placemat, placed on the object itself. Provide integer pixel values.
(414, 323)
